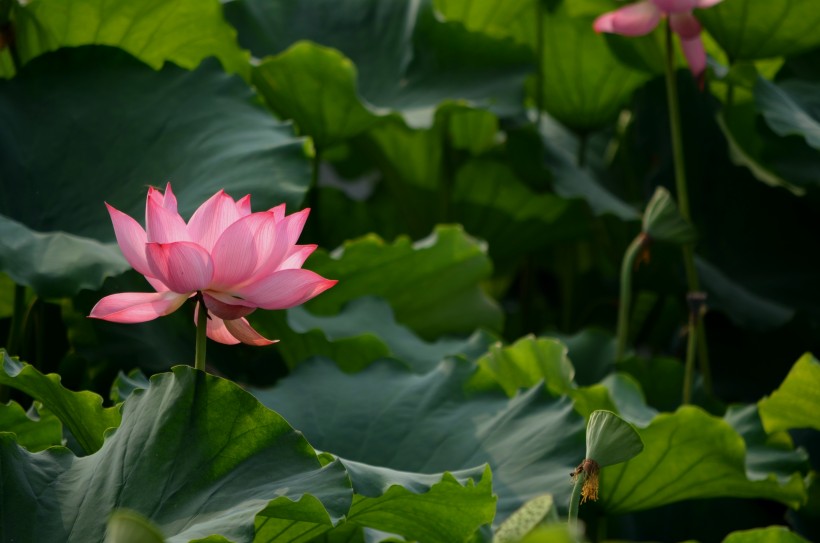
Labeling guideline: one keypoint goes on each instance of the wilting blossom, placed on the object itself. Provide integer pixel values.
(239, 261)
(642, 17)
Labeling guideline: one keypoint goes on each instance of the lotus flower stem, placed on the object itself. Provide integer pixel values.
(201, 337)
(627, 267)
(690, 359)
(575, 501)
(698, 333)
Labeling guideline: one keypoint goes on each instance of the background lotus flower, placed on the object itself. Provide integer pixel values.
(239, 261)
(642, 17)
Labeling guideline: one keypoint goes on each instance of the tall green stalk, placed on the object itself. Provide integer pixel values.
(575, 501)
(201, 337)
(697, 331)
(627, 267)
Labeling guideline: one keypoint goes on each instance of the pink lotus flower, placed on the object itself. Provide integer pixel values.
(239, 261)
(642, 17)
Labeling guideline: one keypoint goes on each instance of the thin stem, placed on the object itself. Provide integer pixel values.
(201, 337)
(697, 340)
(17, 319)
(627, 266)
(575, 501)
(690, 358)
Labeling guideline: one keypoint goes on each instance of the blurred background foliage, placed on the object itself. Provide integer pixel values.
(475, 171)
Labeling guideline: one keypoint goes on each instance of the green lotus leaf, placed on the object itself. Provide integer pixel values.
(209, 458)
(512, 19)
(766, 453)
(473, 130)
(422, 423)
(81, 413)
(202, 130)
(35, 431)
(316, 87)
(772, 534)
(756, 30)
(439, 508)
(796, 403)
(525, 363)
(432, 285)
(364, 331)
(185, 32)
(560, 155)
(610, 439)
(419, 62)
(584, 83)
(525, 519)
(662, 221)
(791, 107)
(689, 454)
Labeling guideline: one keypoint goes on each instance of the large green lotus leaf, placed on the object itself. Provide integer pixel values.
(364, 331)
(755, 30)
(432, 285)
(316, 87)
(419, 62)
(36, 432)
(439, 508)
(772, 534)
(426, 423)
(766, 453)
(511, 19)
(525, 363)
(114, 126)
(791, 107)
(56, 264)
(492, 203)
(743, 306)
(750, 146)
(183, 32)
(690, 454)
(796, 403)
(569, 180)
(81, 413)
(195, 454)
(584, 84)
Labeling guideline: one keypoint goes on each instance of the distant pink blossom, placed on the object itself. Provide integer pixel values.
(238, 260)
(642, 17)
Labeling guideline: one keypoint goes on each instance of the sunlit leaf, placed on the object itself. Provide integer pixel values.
(752, 30)
(81, 413)
(36, 432)
(432, 284)
(772, 534)
(796, 403)
(183, 32)
(689, 454)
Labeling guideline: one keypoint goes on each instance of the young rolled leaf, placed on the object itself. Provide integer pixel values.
(526, 519)
(126, 526)
(610, 439)
(662, 221)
